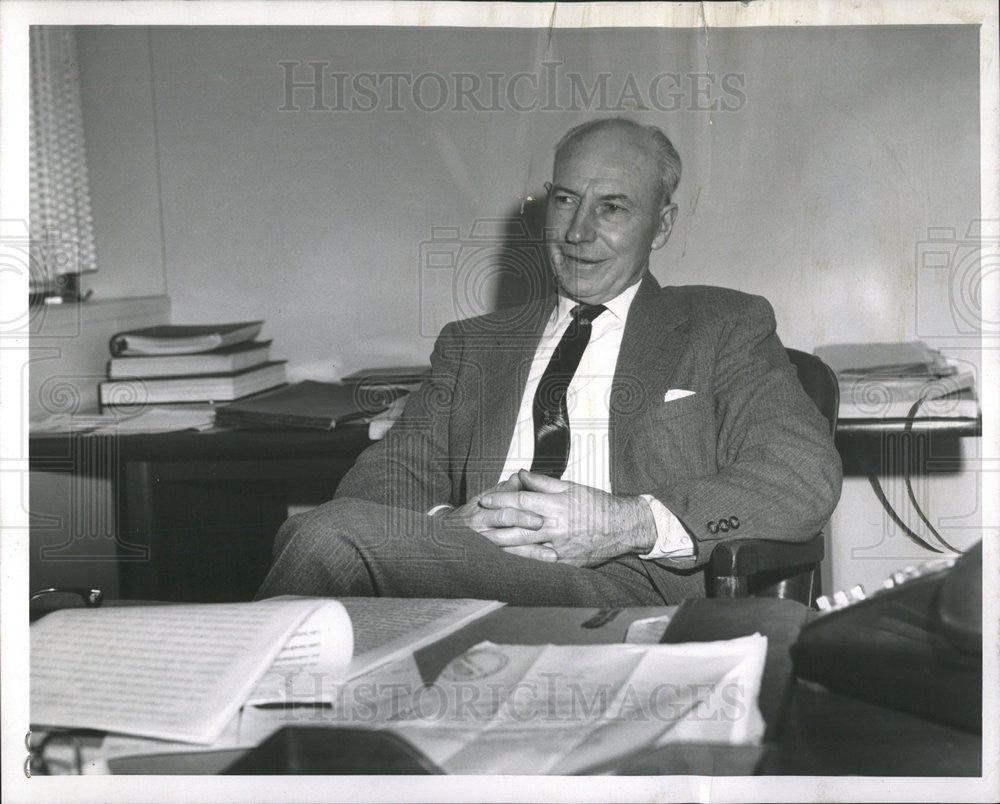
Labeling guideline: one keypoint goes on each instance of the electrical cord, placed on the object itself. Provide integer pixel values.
(910, 416)
(876, 485)
(880, 494)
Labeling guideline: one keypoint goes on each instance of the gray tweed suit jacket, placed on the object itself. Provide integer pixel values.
(748, 448)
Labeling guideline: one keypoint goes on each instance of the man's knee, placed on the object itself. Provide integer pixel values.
(343, 519)
(289, 528)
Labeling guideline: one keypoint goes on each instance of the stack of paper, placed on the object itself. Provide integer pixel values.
(165, 419)
(896, 380)
(567, 709)
(533, 709)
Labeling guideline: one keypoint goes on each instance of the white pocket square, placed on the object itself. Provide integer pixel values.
(676, 393)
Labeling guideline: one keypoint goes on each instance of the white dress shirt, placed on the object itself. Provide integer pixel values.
(587, 402)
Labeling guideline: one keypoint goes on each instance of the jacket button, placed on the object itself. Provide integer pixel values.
(713, 527)
(724, 525)
(734, 521)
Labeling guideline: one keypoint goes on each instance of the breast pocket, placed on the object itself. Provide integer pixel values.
(670, 442)
(684, 406)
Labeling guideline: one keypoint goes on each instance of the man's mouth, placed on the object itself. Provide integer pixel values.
(582, 262)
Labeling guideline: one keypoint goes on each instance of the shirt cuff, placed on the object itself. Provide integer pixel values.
(672, 540)
(437, 509)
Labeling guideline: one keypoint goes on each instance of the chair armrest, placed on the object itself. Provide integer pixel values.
(742, 557)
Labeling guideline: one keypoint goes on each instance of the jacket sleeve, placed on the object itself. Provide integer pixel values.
(409, 468)
(778, 474)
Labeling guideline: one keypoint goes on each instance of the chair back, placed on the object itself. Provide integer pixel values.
(819, 382)
(768, 568)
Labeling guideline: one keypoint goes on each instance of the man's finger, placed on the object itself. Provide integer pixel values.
(535, 551)
(512, 483)
(520, 500)
(511, 518)
(513, 537)
(533, 481)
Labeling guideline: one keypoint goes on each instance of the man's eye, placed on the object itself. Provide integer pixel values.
(611, 208)
(564, 200)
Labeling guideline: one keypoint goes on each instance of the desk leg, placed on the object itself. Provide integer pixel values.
(135, 525)
(207, 540)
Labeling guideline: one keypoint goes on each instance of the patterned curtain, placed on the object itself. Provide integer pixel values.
(61, 225)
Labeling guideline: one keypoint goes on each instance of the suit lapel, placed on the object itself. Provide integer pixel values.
(656, 333)
(503, 361)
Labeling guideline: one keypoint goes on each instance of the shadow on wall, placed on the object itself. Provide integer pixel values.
(511, 267)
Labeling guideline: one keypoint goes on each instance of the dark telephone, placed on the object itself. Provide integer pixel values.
(916, 646)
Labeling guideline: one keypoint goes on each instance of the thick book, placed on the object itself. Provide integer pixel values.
(227, 360)
(181, 339)
(309, 404)
(388, 375)
(208, 388)
(181, 672)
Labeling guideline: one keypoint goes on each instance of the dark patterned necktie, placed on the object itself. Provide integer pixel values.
(551, 416)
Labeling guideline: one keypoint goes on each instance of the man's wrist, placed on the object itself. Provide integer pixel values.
(640, 533)
(672, 539)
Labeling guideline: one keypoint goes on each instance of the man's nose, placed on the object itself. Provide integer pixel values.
(581, 228)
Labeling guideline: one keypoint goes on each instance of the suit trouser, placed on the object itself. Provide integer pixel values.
(350, 547)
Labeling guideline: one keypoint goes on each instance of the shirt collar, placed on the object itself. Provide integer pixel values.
(618, 306)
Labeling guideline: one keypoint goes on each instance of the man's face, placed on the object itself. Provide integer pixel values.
(604, 214)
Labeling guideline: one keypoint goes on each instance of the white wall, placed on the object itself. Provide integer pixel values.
(118, 117)
(816, 192)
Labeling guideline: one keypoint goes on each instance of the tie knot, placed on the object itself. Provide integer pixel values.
(587, 312)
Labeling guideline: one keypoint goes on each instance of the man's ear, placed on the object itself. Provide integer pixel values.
(668, 214)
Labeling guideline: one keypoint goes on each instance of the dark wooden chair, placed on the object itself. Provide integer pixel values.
(770, 568)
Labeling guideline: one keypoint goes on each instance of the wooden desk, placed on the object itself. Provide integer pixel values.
(197, 511)
(955, 427)
(879, 444)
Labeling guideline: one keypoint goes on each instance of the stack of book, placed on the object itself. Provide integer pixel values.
(200, 363)
(900, 380)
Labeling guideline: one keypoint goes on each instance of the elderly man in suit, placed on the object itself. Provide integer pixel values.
(589, 449)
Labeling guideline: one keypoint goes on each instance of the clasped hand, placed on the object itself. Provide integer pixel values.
(539, 517)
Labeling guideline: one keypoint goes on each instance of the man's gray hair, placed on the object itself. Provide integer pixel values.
(666, 155)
